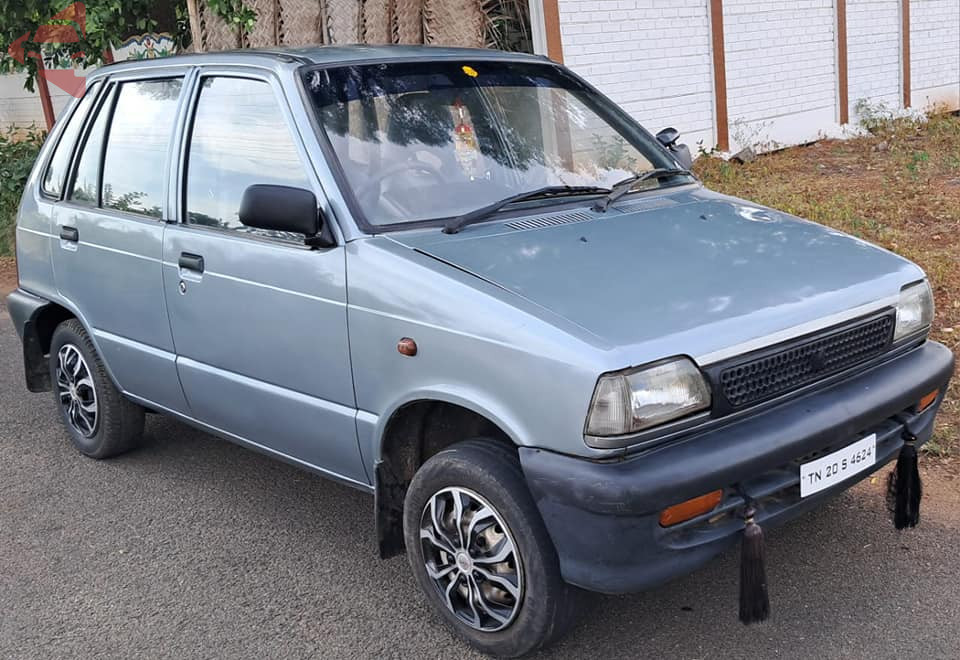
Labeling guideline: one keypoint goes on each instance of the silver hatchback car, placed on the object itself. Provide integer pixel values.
(467, 283)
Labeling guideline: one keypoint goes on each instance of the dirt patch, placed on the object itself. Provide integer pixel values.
(896, 188)
(8, 275)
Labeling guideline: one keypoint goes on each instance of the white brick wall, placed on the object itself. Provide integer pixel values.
(781, 69)
(935, 52)
(653, 57)
(873, 53)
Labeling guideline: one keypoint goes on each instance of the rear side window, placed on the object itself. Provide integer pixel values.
(60, 161)
(137, 144)
(239, 138)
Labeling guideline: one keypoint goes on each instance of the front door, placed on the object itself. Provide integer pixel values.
(258, 319)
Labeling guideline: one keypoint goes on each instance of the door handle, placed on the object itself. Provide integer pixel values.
(192, 262)
(69, 234)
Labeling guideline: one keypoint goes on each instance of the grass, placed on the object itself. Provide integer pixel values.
(898, 187)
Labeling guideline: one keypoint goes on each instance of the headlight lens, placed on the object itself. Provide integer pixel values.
(914, 309)
(636, 399)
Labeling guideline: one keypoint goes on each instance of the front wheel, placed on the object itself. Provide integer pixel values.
(481, 553)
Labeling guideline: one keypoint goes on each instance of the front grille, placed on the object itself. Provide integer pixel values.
(777, 371)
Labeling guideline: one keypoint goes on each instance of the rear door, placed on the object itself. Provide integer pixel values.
(108, 231)
(259, 320)
(35, 239)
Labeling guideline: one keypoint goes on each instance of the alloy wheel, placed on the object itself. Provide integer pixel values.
(472, 559)
(76, 391)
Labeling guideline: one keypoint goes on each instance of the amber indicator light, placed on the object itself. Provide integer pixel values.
(925, 402)
(407, 346)
(684, 511)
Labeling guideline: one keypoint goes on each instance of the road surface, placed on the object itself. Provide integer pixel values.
(191, 547)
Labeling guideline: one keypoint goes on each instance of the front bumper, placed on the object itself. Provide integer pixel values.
(603, 517)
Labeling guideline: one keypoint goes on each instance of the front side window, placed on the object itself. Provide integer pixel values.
(427, 141)
(137, 144)
(60, 161)
(239, 138)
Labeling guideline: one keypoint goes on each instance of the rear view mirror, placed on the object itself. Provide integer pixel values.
(284, 208)
(668, 138)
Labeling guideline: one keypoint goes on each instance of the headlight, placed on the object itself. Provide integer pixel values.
(636, 399)
(914, 310)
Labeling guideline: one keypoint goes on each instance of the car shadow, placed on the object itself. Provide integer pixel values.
(827, 569)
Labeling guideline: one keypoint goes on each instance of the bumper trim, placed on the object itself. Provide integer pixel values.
(602, 516)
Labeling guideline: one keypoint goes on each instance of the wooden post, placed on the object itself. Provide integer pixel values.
(842, 61)
(905, 39)
(196, 35)
(44, 91)
(719, 75)
(276, 24)
(551, 20)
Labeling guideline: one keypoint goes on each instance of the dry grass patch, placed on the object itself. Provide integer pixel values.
(8, 275)
(898, 187)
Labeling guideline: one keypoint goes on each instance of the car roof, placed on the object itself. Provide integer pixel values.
(320, 55)
(336, 54)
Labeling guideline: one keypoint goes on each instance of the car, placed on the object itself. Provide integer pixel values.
(467, 283)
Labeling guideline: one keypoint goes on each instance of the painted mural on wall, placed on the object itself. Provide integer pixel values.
(148, 46)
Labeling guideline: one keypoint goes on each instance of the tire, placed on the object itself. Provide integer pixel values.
(100, 422)
(486, 474)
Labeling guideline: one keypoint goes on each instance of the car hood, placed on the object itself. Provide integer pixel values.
(692, 272)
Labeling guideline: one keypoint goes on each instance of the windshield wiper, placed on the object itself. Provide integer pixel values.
(621, 188)
(456, 224)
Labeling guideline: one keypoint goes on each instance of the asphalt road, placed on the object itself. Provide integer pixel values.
(191, 547)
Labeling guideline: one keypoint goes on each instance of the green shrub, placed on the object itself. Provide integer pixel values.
(18, 151)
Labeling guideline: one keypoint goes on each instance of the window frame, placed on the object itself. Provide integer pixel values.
(71, 113)
(106, 103)
(111, 82)
(186, 140)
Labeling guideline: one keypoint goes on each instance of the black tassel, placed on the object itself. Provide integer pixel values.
(754, 602)
(904, 489)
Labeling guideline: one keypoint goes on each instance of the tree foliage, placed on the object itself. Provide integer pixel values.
(18, 150)
(79, 38)
(235, 12)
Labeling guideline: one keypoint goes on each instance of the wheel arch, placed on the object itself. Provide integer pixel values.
(36, 319)
(408, 436)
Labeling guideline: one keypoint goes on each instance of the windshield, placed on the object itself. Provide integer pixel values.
(424, 141)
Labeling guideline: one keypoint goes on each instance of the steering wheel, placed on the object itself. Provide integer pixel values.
(400, 168)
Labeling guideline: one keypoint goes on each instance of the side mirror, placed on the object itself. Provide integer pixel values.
(284, 208)
(668, 138)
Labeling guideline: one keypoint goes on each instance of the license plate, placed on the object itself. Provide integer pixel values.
(833, 468)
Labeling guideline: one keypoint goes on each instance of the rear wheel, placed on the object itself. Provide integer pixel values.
(481, 553)
(99, 421)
